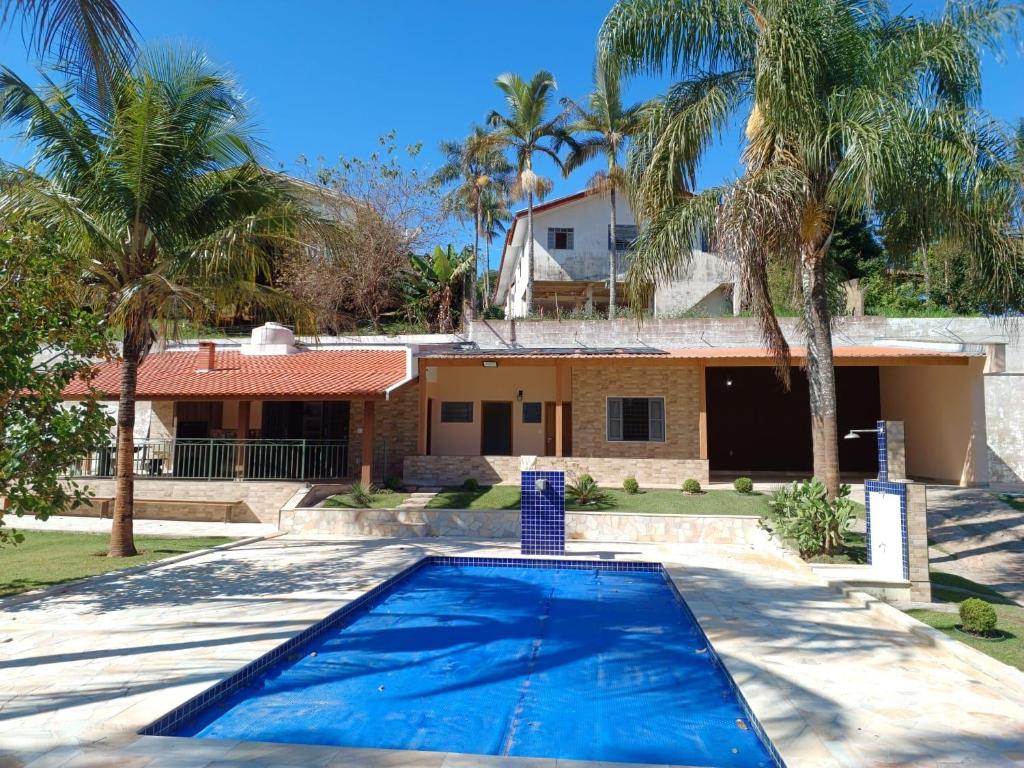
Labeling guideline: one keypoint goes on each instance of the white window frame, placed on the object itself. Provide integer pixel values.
(570, 233)
(664, 419)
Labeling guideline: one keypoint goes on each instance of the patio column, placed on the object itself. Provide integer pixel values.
(421, 432)
(559, 411)
(366, 470)
(244, 408)
(702, 418)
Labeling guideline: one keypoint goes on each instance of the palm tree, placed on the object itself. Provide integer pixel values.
(91, 38)
(475, 164)
(609, 124)
(440, 275)
(494, 214)
(528, 130)
(850, 111)
(160, 195)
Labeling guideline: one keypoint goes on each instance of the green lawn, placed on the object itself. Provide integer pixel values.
(46, 558)
(651, 502)
(1011, 617)
(377, 501)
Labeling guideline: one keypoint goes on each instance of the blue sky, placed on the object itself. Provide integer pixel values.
(328, 77)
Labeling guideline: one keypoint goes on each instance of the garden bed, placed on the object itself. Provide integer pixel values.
(378, 500)
(656, 501)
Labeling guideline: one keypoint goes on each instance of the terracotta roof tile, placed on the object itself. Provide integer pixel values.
(315, 374)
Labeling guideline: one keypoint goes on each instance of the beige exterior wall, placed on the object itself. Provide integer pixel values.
(478, 384)
(679, 385)
(943, 411)
(161, 425)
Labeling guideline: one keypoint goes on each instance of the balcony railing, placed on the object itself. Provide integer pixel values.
(220, 459)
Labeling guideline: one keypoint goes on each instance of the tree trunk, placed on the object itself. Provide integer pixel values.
(529, 254)
(487, 273)
(471, 304)
(613, 267)
(820, 367)
(122, 541)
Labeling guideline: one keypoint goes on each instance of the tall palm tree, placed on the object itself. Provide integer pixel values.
(849, 110)
(609, 124)
(494, 214)
(528, 130)
(91, 38)
(474, 165)
(161, 195)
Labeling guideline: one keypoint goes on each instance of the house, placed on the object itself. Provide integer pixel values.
(695, 400)
(572, 240)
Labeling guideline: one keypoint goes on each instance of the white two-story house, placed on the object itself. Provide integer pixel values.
(571, 245)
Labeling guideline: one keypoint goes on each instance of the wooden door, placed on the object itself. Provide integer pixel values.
(496, 429)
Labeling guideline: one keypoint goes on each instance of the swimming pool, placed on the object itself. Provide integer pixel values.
(589, 661)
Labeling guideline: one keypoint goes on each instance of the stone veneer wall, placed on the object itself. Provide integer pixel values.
(260, 500)
(504, 524)
(1004, 417)
(917, 542)
(396, 423)
(492, 470)
(161, 426)
(679, 385)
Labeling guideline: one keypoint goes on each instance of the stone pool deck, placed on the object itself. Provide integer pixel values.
(834, 680)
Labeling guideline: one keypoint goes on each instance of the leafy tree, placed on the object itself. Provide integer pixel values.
(93, 39)
(441, 276)
(159, 195)
(608, 124)
(385, 210)
(48, 341)
(475, 165)
(850, 110)
(528, 130)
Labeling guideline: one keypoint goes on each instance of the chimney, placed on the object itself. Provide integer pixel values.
(207, 358)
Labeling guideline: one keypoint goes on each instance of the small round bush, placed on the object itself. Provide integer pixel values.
(630, 485)
(471, 484)
(691, 486)
(977, 616)
(743, 485)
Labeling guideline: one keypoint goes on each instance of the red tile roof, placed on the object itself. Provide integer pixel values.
(311, 375)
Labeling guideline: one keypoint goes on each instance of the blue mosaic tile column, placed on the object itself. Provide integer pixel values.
(542, 519)
(896, 489)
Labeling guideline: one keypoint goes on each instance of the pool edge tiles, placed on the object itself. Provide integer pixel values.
(178, 719)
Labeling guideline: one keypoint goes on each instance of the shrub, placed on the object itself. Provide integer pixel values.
(362, 494)
(393, 483)
(471, 484)
(743, 485)
(691, 486)
(803, 513)
(630, 485)
(977, 616)
(584, 490)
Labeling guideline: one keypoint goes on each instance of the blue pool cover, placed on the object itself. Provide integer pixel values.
(540, 662)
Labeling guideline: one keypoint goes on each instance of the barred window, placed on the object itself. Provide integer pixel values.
(625, 234)
(636, 419)
(456, 413)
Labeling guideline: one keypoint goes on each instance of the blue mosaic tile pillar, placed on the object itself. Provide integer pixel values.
(542, 518)
(896, 489)
(883, 452)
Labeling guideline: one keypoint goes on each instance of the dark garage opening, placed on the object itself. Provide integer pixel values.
(754, 425)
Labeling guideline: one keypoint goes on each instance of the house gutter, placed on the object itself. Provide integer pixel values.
(411, 371)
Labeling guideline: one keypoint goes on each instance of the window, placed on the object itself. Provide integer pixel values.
(457, 413)
(531, 413)
(625, 234)
(560, 238)
(636, 419)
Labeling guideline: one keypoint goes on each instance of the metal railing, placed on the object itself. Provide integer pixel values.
(221, 459)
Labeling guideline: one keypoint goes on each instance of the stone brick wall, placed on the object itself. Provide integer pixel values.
(396, 423)
(610, 472)
(260, 500)
(678, 385)
(917, 542)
